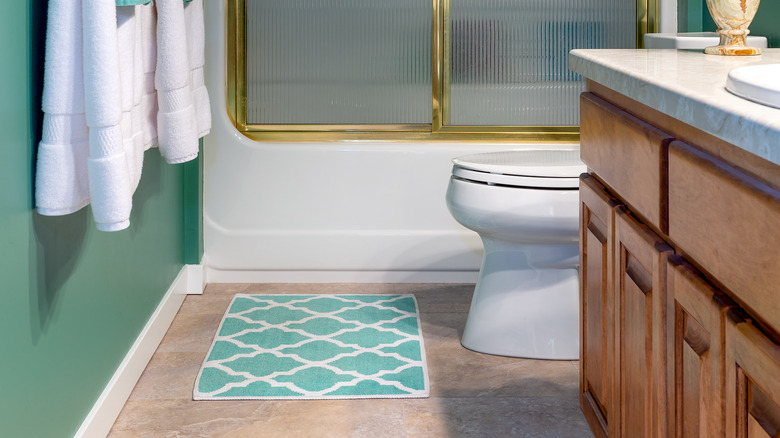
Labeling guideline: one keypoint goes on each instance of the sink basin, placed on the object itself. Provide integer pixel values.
(758, 83)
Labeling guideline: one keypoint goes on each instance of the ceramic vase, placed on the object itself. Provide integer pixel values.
(733, 18)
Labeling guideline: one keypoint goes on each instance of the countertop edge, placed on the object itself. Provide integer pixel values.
(640, 75)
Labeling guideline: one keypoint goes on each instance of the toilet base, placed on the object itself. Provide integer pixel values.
(527, 312)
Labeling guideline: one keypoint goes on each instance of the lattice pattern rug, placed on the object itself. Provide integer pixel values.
(316, 347)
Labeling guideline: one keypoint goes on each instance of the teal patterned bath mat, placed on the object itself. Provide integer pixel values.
(316, 347)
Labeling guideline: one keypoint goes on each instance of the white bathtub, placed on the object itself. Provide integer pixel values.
(327, 212)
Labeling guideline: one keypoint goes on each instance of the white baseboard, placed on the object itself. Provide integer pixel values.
(239, 276)
(196, 279)
(106, 409)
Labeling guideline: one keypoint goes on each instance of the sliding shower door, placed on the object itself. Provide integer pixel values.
(418, 69)
(508, 58)
(341, 62)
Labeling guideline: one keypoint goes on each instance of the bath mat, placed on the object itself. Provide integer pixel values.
(316, 347)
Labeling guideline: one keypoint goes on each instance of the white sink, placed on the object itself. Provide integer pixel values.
(693, 40)
(759, 83)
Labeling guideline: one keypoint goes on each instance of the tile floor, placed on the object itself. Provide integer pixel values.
(472, 394)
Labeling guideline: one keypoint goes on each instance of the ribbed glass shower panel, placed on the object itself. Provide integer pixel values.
(508, 61)
(338, 61)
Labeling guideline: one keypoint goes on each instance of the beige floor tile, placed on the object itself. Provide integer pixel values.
(473, 394)
(208, 303)
(190, 417)
(446, 298)
(169, 376)
(457, 373)
(329, 418)
(226, 288)
(495, 417)
(191, 333)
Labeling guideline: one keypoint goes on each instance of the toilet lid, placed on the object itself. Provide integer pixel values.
(544, 168)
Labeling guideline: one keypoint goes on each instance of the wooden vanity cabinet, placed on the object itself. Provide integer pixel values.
(752, 381)
(640, 319)
(628, 153)
(696, 351)
(597, 233)
(680, 267)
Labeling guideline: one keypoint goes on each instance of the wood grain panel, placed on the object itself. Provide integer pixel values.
(640, 338)
(729, 223)
(596, 301)
(697, 351)
(628, 154)
(746, 161)
(752, 381)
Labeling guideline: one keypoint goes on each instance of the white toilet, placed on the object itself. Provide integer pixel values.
(524, 204)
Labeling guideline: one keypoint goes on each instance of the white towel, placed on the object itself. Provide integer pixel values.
(149, 98)
(109, 180)
(196, 42)
(100, 102)
(61, 180)
(177, 128)
(130, 44)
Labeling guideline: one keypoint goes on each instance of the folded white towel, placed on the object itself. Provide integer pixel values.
(196, 42)
(149, 98)
(100, 101)
(61, 180)
(109, 179)
(131, 81)
(177, 130)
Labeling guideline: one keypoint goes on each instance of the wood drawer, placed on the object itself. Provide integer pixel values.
(628, 154)
(728, 222)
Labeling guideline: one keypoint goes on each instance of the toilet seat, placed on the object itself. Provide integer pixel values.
(540, 168)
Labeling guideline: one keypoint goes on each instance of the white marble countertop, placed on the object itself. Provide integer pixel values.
(691, 87)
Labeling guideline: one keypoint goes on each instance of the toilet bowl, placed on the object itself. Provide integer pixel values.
(524, 204)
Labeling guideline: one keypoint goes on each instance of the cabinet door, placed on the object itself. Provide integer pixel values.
(596, 301)
(752, 381)
(640, 313)
(696, 351)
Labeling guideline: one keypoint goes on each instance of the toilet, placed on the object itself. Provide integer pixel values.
(524, 204)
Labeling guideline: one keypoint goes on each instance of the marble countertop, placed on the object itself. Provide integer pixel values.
(691, 87)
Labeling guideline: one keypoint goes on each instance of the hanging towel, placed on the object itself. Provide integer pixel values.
(61, 181)
(129, 36)
(109, 179)
(149, 98)
(196, 42)
(177, 129)
(101, 104)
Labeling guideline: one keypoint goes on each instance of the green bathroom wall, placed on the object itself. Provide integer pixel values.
(193, 210)
(694, 17)
(73, 299)
(766, 22)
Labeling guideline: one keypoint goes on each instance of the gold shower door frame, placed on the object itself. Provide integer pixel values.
(438, 129)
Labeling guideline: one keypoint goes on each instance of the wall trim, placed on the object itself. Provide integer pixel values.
(106, 409)
(247, 276)
(196, 279)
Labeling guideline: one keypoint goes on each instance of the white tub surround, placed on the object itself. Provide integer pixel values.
(691, 87)
(327, 211)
